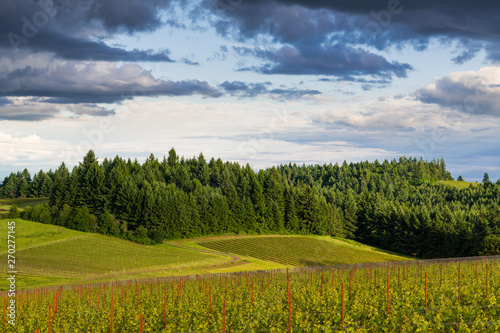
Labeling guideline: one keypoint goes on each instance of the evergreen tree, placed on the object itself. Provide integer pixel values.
(486, 178)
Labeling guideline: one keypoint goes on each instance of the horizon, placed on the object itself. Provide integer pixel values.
(263, 83)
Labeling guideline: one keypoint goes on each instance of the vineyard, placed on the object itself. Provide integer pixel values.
(300, 251)
(412, 296)
(49, 254)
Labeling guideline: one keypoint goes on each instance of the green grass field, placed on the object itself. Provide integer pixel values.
(457, 184)
(301, 250)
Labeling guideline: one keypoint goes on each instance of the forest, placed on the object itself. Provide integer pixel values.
(398, 205)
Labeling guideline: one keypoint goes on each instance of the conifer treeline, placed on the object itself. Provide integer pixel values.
(396, 205)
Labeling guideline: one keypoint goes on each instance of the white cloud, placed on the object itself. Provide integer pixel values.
(473, 92)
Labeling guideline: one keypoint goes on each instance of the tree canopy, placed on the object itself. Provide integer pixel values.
(399, 205)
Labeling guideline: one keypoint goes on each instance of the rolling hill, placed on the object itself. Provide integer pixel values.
(302, 250)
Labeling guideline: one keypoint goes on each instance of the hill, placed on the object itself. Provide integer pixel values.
(48, 254)
(301, 250)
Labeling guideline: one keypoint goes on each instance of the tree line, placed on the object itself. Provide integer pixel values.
(398, 205)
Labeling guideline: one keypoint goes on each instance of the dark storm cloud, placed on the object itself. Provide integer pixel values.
(379, 24)
(343, 62)
(244, 89)
(74, 29)
(89, 82)
(128, 15)
(72, 48)
(238, 88)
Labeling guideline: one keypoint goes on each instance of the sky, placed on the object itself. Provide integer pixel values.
(258, 82)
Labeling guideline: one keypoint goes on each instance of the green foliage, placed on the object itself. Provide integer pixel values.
(401, 297)
(13, 212)
(399, 205)
(491, 245)
(486, 178)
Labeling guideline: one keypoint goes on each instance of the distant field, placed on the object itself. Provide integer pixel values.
(22, 203)
(301, 250)
(44, 251)
(457, 184)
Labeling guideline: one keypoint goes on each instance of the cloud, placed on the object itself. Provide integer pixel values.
(75, 29)
(335, 60)
(30, 151)
(473, 92)
(382, 24)
(242, 89)
(388, 114)
(88, 82)
(38, 109)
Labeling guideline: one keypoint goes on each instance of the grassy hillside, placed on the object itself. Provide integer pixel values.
(301, 250)
(457, 184)
(45, 251)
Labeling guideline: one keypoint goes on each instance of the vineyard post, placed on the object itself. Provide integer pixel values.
(4, 310)
(141, 319)
(224, 316)
(287, 283)
(50, 309)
